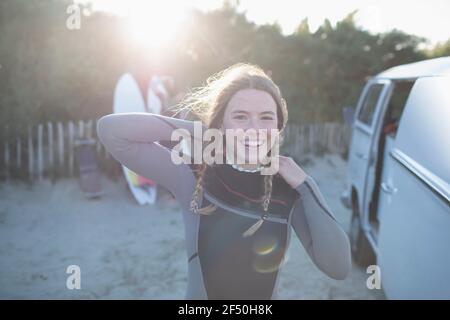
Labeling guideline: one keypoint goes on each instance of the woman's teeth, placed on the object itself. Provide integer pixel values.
(253, 143)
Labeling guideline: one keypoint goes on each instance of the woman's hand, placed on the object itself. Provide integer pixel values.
(291, 171)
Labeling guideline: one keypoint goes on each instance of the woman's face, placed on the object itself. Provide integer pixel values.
(251, 109)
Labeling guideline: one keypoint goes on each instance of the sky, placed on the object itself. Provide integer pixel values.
(425, 18)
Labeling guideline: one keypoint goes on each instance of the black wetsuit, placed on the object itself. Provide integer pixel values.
(222, 263)
(247, 266)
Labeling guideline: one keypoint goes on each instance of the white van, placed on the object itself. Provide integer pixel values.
(399, 179)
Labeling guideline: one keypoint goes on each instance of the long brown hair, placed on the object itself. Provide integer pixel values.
(209, 102)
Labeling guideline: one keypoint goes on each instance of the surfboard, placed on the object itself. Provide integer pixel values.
(156, 89)
(128, 98)
(154, 104)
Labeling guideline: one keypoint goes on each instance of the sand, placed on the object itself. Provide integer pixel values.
(125, 251)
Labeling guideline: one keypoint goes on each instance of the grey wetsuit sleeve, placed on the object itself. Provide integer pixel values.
(320, 233)
(131, 138)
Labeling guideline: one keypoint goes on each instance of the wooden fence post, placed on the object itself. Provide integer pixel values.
(30, 154)
(50, 146)
(18, 153)
(60, 146)
(71, 133)
(6, 160)
(40, 155)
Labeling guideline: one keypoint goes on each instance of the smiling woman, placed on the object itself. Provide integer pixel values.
(237, 222)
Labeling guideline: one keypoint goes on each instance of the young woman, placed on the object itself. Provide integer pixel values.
(237, 221)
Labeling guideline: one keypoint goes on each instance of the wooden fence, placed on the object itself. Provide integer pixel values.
(47, 150)
(316, 138)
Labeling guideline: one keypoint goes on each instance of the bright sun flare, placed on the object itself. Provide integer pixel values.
(153, 25)
(148, 23)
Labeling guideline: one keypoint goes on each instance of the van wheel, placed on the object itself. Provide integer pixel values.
(362, 252)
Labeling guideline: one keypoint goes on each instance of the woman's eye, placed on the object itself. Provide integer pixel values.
(239, 117)
(267, 118)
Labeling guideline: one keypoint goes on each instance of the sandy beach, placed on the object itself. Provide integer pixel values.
(126, 251)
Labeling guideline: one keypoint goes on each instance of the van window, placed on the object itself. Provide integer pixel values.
(396, 105)
(370, 103)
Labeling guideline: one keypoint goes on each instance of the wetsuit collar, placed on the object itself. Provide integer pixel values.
(237, 167)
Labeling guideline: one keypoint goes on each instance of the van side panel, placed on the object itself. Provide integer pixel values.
(414, 238)
(414, 255)
(424, 130)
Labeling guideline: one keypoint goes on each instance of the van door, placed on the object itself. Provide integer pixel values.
(383, 143)
(413, 244)
(360, 157)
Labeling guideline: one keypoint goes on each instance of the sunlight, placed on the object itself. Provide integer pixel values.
(153, 25)
(148, 23)
(375, 16)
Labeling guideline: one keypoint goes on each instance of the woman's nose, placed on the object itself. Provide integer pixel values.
(255, 123)
(253, 128)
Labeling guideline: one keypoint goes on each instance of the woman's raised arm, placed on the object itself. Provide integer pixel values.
(132, 138)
